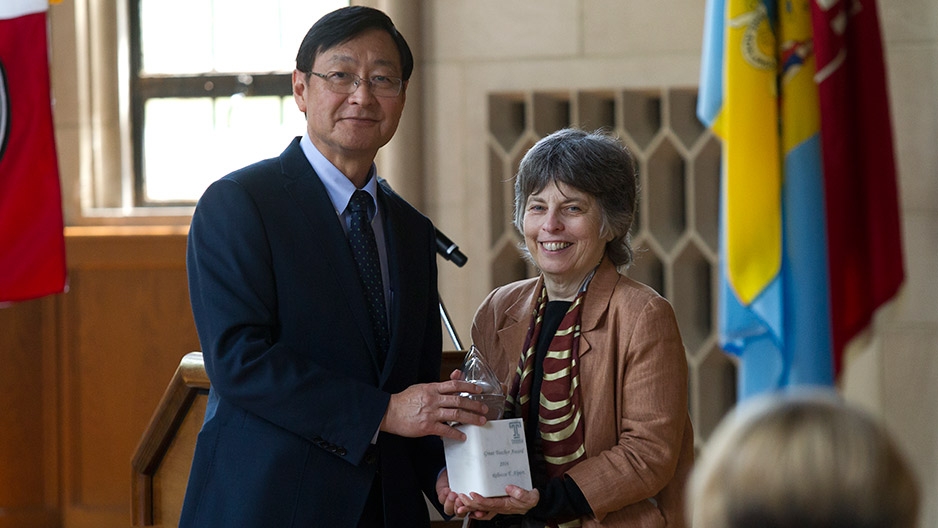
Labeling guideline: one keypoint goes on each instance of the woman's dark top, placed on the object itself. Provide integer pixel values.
(560, 498)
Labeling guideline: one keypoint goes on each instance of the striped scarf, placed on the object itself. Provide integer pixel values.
(560, 422)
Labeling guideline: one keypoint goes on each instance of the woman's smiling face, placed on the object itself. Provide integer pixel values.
(562, 228)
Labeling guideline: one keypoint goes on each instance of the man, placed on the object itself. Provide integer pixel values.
(326, 406)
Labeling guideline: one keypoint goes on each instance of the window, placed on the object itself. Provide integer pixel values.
(211, 89)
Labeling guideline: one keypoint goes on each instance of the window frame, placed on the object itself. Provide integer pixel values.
(214, 85)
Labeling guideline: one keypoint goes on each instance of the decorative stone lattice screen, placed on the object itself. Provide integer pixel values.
(676, 231)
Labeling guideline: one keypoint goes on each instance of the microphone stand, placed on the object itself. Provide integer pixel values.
(450, 251)
(444, 315)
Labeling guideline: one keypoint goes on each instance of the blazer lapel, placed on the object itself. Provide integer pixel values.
(518, 319)
(596, 302)
(595, 306)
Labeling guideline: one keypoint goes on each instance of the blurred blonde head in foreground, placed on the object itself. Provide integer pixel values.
(804, 460)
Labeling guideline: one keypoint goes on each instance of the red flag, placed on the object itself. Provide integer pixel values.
(864, 232)
(32, 242)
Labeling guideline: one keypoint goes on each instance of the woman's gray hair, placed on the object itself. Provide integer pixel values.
(595, 163)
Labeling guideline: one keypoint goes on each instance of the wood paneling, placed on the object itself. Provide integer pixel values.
(127, 324)
(28, 462)
(82, 372)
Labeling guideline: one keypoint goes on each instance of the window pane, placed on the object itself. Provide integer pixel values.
(201, 36)
(192, 142)
(176, 132)
(175, 36)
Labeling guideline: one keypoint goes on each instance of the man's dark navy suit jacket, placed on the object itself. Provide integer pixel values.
(297, 394)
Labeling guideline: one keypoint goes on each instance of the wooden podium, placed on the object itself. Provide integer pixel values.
(164, 454)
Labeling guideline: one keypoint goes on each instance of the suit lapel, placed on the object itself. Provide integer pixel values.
(396, 240)
(327, 236)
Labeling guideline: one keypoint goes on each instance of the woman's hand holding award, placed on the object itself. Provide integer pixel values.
(493, 455)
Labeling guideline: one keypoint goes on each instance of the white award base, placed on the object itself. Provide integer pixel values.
(493, 456)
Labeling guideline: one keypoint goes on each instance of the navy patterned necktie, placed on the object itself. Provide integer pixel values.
(362, 240)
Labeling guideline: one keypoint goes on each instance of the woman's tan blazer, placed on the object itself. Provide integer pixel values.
(633, 374)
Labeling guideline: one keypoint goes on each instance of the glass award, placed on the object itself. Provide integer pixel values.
(493, 455)
(476, 371)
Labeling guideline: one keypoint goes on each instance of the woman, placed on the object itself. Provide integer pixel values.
(802, 460)
(594, 360)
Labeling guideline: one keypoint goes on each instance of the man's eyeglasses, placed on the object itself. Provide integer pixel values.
(347, 83)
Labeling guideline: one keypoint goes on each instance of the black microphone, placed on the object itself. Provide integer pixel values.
(448, 250)
(444, 246)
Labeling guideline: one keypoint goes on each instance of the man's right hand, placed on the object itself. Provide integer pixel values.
(429, 408)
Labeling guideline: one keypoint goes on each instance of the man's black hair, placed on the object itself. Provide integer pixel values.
(344, 24)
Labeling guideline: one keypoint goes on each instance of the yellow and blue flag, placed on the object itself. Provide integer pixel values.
(759, 98)
(785, 291)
